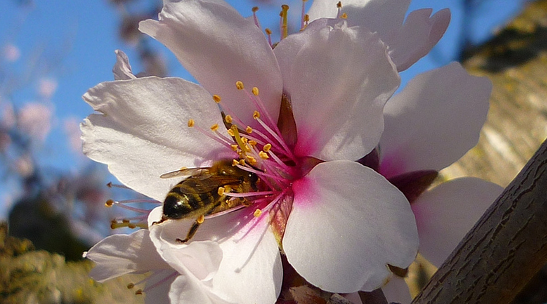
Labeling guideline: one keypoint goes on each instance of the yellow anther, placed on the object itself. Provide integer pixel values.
(109, 203)
(235, 162)
(130, 286)
(249, 130)
(255, 9)
(231, 133)
(214, 127)
(125, 223)
(220, 191)
(257, 212)
(216, 98)
(200, 219)
(234, 147)
(251, 160)
(255, 91)
(252, 142)
(256, 115)
(244, 140)
(306, 18)
(267, 147)
(344, 16)
(228, 119)
(239, 85)
(242, 162)
(191, 123)
(268, 31)
(263, 155)
(131, 226)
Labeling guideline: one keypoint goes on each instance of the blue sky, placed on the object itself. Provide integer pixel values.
(83, 35)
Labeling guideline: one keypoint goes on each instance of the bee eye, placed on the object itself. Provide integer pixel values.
(253, 177)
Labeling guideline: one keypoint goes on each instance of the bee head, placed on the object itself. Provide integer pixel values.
(174, 208)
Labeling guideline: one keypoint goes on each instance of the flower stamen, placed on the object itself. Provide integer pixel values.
(249, 194)
(287, 150)
(235, 134)
(255, 18)
(304, 17)
(218, 138)
(112, 185)
(269, 34)
(283, 22)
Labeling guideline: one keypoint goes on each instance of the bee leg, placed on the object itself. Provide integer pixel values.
(192, 230)
(163, 219)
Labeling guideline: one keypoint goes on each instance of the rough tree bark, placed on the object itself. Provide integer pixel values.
(504, 250)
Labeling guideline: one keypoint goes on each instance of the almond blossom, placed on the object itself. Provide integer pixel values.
(297, 115)
(429, 125)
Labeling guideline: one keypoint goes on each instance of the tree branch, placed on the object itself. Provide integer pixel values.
(504, 250)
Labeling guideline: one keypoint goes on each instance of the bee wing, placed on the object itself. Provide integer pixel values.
(223, 180)
(201, 185)
(187, 172)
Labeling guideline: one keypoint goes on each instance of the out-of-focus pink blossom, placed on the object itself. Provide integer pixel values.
(71, 127)
(11, 53)
(35, 120)
(47, 87)
(24, 166)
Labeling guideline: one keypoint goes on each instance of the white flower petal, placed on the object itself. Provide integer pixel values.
(122, 68)
(201, 259)
(155, 215)
(434, 121)
(142, 132)
(251, 256)
(338, 80)
(382, 16)
(346, 225)
(219, 47)
(396, 290)
(419, 34)
(120, 254)
(157, 286)
(186, 289)
(407, 42)
(447, 212)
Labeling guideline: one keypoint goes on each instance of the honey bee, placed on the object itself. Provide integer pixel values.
(201, 194)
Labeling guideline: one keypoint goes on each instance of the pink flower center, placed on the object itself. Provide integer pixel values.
(264, 152)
